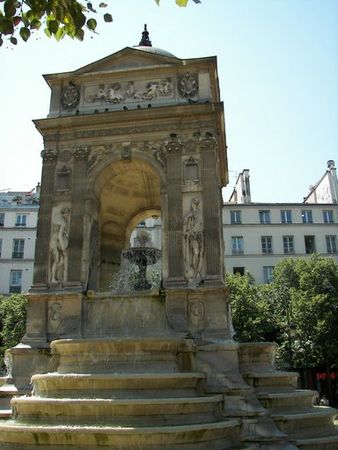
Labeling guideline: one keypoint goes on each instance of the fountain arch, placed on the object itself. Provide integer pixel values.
(126, 192)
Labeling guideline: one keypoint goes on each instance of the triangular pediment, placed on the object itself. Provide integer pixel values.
(130, 58)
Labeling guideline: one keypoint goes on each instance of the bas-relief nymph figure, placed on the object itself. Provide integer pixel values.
(194, 241)
(58, 246)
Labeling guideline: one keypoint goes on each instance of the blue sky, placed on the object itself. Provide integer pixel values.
(278, 71)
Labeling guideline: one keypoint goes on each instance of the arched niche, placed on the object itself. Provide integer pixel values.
(127, 191)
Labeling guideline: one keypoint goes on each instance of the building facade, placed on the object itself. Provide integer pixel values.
(258, 235)
(18, 219)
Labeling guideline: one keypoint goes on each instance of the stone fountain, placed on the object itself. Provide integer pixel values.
(147, 370)
(142, 255)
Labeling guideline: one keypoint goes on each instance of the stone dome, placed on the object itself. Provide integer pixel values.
(155, 50)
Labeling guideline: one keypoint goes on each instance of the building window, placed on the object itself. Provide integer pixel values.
(307, 216)
(266, 245)
(15, 281)
(288, 244)
(235, 217)
(2, 219)
(264, 217)
(237, 245)
(286, 216)
(239, 270)
(331, 244)
(328, 216)
(20, 220)
(0, 247)
(18, 248)
(310, 246)
(267, 273)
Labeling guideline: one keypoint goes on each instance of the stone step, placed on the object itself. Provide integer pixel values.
(122, 355)
(292, 399)
(327, 442)
(256, 354)
(306, 422)
(273, 379)
(117, 385)
(217, 436)
(155, 411)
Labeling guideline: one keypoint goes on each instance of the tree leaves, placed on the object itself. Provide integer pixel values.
(91, 24)
(107, 17)
(24, 33)
(299, 310)
(181, 3)
(60, 18)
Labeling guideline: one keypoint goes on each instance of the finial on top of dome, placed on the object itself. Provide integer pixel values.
(145, 41)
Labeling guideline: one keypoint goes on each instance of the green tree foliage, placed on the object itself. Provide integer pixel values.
(251, 309)
(298, 310)
(305, 293)
(58, 18)
(12, 322)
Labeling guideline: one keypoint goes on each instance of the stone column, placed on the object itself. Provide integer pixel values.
(175, 212)
(211, 212)
(75, 247)
(40, 280)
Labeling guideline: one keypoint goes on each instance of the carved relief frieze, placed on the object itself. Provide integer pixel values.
(49, 154)
(118, 131)
(188, 85)
(193, 232)
(131, 91)
(70, 97)
(58, 248)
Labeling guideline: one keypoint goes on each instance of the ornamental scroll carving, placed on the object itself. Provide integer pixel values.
(132, 91)
(193, 241)
(160, 154)
(49, 155)
(59, 246)
(208, 142)
(70, 97)
(173, 145)
(81, 153)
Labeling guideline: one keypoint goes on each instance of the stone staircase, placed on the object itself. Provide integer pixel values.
(309, 427)
(120, 394)
(150, 394)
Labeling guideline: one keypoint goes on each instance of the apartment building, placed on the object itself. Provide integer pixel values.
(258, 235)
(18, 220)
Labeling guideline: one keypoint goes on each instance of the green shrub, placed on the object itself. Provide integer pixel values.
(12, 322)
